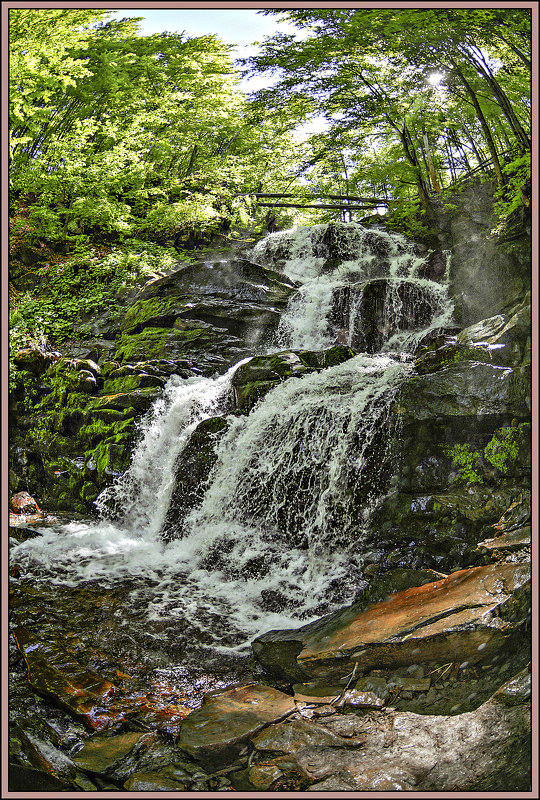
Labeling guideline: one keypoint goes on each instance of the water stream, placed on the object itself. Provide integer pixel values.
(277, 539)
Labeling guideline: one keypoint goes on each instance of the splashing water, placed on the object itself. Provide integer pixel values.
(277, 537)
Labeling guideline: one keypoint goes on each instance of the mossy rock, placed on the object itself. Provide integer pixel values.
(394, 580)
(260, 374)
(129, 383)
(159, 343)
(89, 492)
(109, 459)
(139, 400)
(158, 312)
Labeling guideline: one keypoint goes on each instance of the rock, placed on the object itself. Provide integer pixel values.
(212, 313)
(294, 735)
(485, 270)
(381, 308)
(140, 399)
(512, 540)
(483, 750)
(87, 365)
(192, 468)
(84, 381)
(25, 779)
(215, 732)
(104, 754)
(23, 503)
(471, 612)
(466, 389)
(22, 533)
(35, 360)
(154, 782)
(43, 755)
(58, 676)
(260, 374)
(395, 580)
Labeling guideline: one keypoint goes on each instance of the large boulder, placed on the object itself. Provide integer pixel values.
(226, 719)
(471, 612)
(211, 313)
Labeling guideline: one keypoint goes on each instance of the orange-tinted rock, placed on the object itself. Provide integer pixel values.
(23, 503)
(54, 673)
(467, 616)
(226, 719)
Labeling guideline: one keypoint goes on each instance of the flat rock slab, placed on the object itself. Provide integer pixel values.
(102, 754)
(511, 540)
(54, 673)
(215, 731)
(466, 616)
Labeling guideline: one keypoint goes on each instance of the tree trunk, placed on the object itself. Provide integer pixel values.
(483, 122)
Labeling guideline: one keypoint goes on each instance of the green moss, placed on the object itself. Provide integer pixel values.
(467, 460)
(503, 449)
(110, 458)
(89, 492)
(128, 383)
(162, 310)
(156, 343)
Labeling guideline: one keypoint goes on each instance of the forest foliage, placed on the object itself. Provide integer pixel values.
(119, 140)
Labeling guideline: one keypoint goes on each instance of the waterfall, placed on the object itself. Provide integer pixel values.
(277, 537)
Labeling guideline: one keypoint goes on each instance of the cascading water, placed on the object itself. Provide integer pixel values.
(277, 537)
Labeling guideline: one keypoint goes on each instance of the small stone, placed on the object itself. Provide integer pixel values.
(23, 503)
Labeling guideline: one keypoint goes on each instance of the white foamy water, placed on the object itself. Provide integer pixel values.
(277, 537)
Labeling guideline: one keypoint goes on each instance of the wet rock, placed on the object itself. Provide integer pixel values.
(107, 754)
(259, 375)
(159, 781)
(515, 691)
(37, 748)
(26, 779)
(23, 503)
(471, 612)
(511, 540)
(21, 533)
(55, 674)
(216, 731)
(192, 468)
(517, 514)
(381, 308)
(466, 389)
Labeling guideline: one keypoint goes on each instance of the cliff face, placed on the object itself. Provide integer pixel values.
(489, 273)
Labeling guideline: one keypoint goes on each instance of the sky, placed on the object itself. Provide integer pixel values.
(240, 26)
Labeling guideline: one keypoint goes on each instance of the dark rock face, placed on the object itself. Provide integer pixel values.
(211, 313)
(192, 469)
(380, 309)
